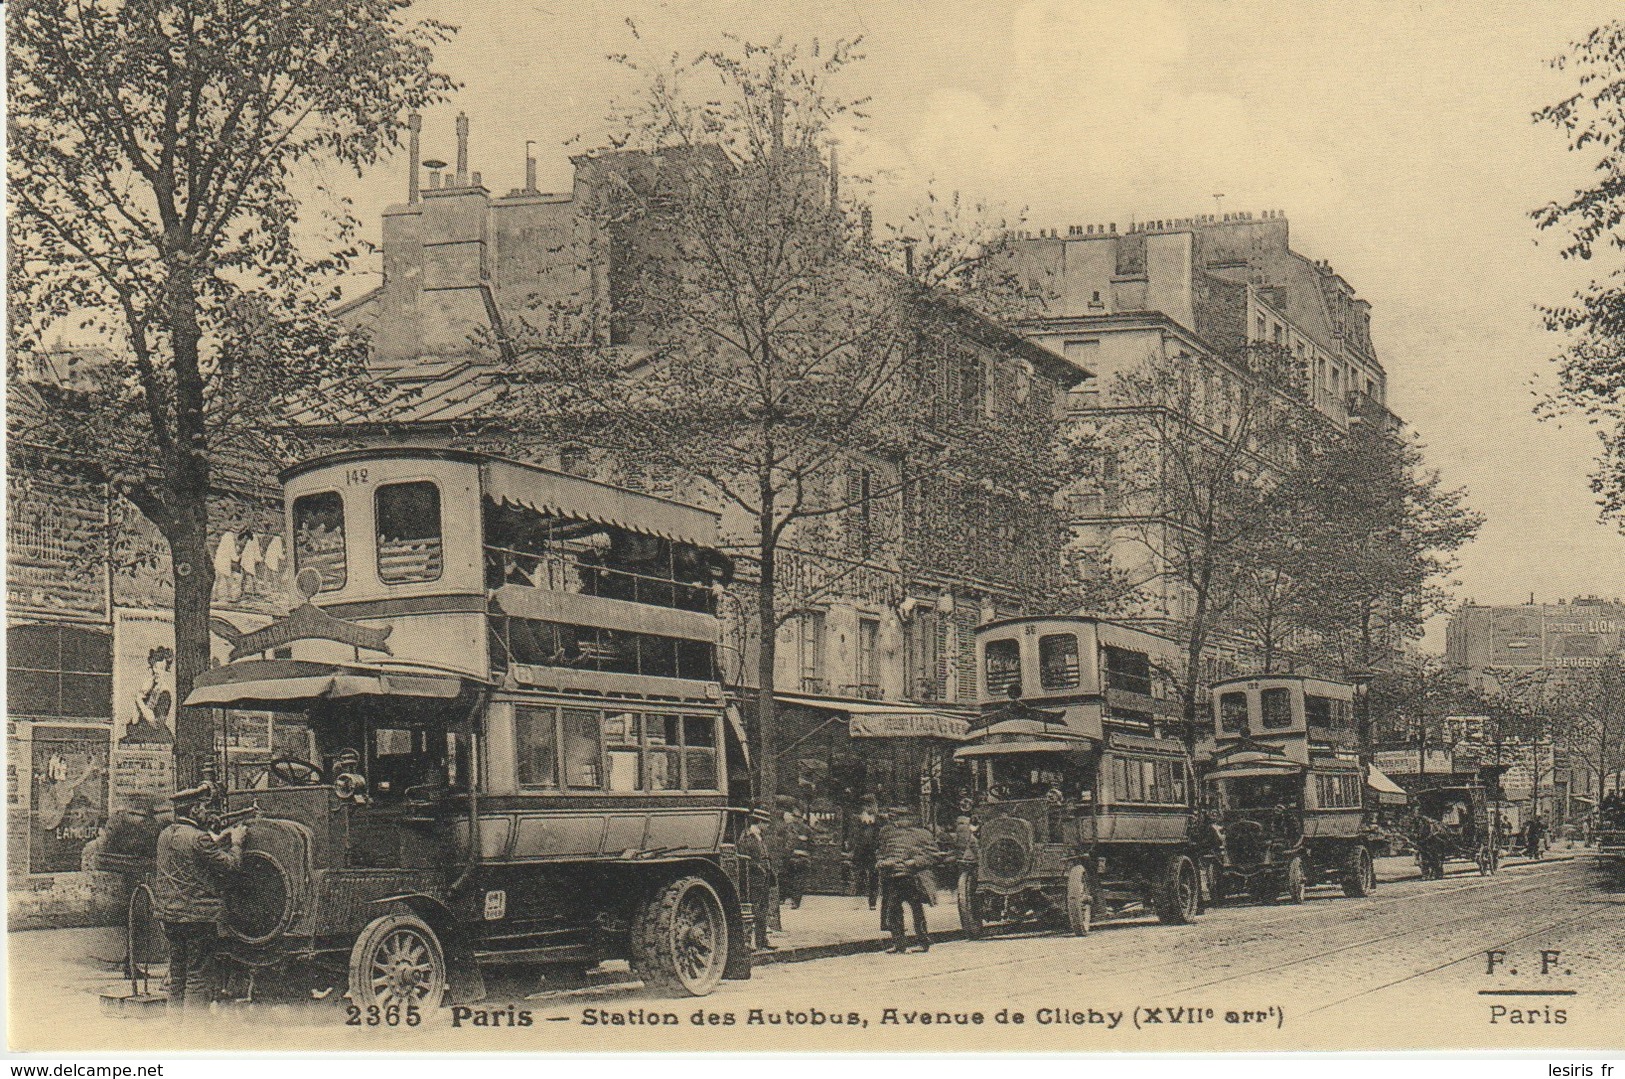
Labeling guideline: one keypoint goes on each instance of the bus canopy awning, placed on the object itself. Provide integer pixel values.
(1388, 791)
(559, 495)
(1244, 769)
(1022, 745)
(274, 684)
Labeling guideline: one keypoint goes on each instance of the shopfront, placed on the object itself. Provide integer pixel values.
(834, 751)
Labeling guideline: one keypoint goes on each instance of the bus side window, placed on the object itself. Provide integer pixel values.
(622, 734)
(318, 537)
(1276, 703)
(408, 526)
(1233, 713)
(582, 767)
(700, 753)
(536, 746)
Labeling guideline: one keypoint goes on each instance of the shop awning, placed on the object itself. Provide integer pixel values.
(274, 684)
(885, 719)
(560, 495)
(1388, 791)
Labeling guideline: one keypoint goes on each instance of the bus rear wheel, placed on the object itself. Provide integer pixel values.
(1177, 892)
(1359, 877)
(680, 938)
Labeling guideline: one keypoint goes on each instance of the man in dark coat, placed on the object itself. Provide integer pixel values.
(907, 852)
(864, 838)
(187, 895)
(795, 851)
(759, 877)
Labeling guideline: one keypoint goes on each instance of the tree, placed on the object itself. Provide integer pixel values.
(1378, 533)
(1591, 366)
(1593, 702)
(155, 145)
(961, 245)
(753, 344)
(1192, 452)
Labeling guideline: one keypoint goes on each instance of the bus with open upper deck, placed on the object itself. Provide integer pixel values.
(516, 748)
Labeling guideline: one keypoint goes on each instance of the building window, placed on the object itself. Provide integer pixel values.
(408, 530)
(318, 537)
(59, 672)
(1058, 666)
(869, 657)
(810, 648)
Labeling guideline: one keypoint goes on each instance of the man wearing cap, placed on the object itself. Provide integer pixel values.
(758, 873)
(796, 854)
(186, 895)
(907, 852)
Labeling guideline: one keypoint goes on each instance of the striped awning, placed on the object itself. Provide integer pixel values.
(560, 495)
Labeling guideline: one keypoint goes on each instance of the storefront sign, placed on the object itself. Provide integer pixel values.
(907, 725)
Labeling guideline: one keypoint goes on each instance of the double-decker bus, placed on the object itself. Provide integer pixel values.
(1083, 796)
(1287, 790)
(517, 746)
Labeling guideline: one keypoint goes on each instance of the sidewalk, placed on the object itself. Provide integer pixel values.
(829, 925)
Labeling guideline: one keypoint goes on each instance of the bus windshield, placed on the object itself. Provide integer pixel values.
(1034, 775)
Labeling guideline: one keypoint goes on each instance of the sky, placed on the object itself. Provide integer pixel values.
(1395, 135)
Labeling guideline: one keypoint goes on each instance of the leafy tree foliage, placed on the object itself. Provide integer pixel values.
(1372, 540)
(1193, 451)
(154, 145)
(754, 344)
(1591, 368)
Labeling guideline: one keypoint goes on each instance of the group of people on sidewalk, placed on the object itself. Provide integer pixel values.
(894, 860)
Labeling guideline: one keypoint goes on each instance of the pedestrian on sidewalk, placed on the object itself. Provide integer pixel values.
(193, 865)
(907, 853)
(796, 847)
(864, 838)
(758, 874)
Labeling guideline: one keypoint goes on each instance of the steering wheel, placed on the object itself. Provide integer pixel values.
(295, 773)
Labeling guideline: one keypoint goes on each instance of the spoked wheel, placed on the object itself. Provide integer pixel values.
(397, 960)
(1293, 884)
(680, 939)
(1081, 898)
(1177, 892)
(965, 897)
(1359, 875)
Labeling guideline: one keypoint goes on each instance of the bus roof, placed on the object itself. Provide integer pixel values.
(550, 491)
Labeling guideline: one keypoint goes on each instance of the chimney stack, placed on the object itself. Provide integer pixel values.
(530, 167)
(462, 149)
(414, 124)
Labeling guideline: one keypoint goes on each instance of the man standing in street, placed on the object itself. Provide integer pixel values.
(907, 852)
(797, 858)
(758, 874)
(187, 899)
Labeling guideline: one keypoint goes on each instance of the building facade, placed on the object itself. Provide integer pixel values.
(1201, 293)
(875, 661)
